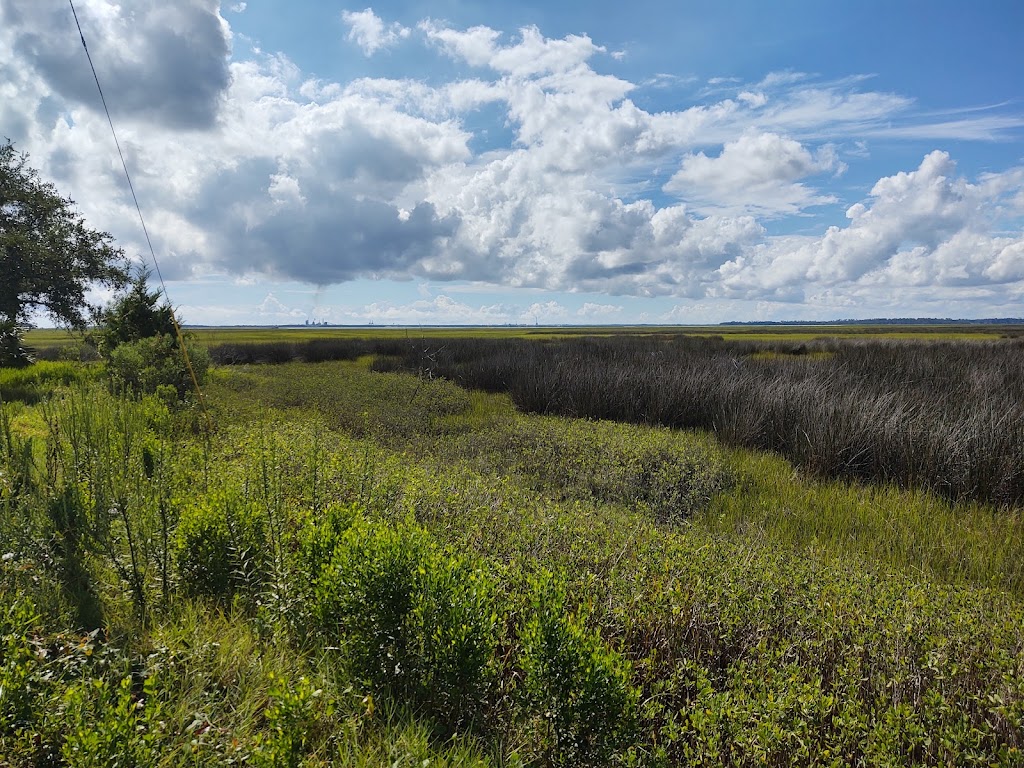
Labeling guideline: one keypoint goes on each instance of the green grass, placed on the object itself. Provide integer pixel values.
(895, 529)
(32, 383)
(650, 597)
(747, 494)
(210, 336)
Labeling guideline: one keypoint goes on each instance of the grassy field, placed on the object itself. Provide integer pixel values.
(364, 568)
(944, 415)
(212, 336)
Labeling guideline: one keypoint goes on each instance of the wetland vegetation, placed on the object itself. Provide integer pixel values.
(617, 550)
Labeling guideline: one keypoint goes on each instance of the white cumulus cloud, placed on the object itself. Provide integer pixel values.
(929, 229)
(756, 173)
(368, 30)
(248, 167)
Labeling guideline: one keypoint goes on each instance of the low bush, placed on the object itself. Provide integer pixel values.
(109, 723)
(293, 714)
(412, 621)
(317, 540)
(669, 475)
(221, 548)
(751, 656)
(579, 686)
(156, 364)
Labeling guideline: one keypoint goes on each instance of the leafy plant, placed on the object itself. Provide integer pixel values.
(411, 620)
(580, 687)
(156, 365)
(17, 665)
(220, 548)
(110, 724)
(293, 715)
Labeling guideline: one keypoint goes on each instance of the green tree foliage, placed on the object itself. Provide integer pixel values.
(13, 351)
(136, 314)
(142, 346)
(157, 365)
(48, 256)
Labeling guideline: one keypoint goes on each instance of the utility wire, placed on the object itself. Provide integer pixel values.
(142, 220)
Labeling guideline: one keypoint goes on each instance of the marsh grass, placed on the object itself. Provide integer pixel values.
(944, 416)
(669, 474)
(31, 384)
(907, 530)
(776, 619)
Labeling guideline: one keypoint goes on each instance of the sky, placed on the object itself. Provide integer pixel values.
(468, 162)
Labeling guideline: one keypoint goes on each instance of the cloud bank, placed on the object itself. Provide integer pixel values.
(249, 167)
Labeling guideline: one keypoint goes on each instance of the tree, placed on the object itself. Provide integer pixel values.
(137, 337)
(136, 314)
(48, 256)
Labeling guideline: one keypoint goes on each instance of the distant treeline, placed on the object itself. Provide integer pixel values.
(944, 415)
(886, 321)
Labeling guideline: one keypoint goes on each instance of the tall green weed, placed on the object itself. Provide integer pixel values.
(581, 688)
(411, 620)
(220, 548)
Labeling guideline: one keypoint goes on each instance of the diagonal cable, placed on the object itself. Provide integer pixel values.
(142, 220)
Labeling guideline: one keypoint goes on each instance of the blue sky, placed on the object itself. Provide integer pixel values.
(490, 163)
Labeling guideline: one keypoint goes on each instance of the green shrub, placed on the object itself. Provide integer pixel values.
(669, 474)
(147, 365)
(579, 685)
(293, 714)
(413, 621)
(318, 537)
(322, 533)
(455, 626)
(17, 663)
(136, 314)
(112, 725)
(220, 548)
(145, 353)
